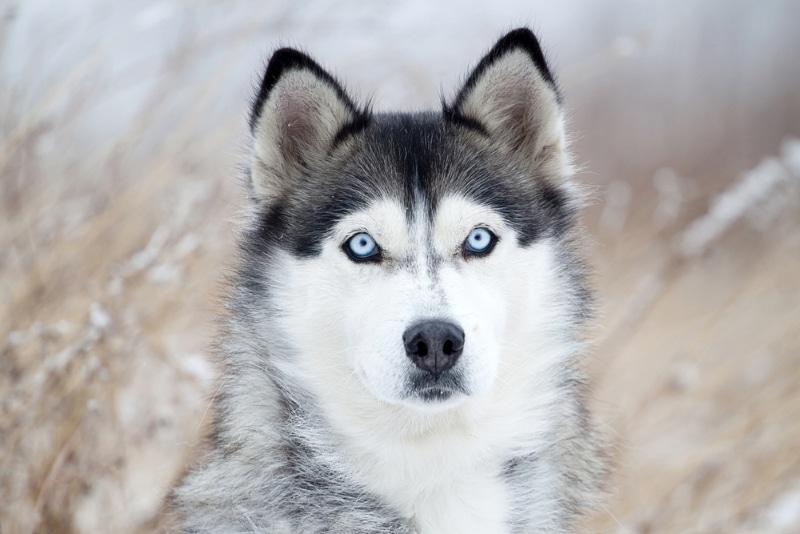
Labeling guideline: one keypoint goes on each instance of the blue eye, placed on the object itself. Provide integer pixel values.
(361, 247)
(480, 241)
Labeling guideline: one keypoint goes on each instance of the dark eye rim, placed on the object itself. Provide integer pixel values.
(469, 253)
(375, 257)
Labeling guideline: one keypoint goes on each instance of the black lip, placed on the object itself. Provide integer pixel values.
(434, 394)
(426, 387)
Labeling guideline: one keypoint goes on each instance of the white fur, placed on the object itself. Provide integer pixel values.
(438, 464)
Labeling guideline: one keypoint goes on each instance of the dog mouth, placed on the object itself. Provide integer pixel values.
(434, 394)
(428, 389)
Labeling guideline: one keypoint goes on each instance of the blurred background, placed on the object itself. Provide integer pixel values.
(122, 129)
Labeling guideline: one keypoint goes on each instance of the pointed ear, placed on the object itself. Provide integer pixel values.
(300, 114)
(512, 97)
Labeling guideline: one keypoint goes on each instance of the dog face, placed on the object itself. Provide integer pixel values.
(422, 311)
(411, 258)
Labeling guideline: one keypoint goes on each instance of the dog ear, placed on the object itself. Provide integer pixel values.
(512, 97)
(300, 114)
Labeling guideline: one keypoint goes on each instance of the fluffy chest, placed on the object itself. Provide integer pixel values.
(444, 482)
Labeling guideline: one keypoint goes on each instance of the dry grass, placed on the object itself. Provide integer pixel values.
(115, 233)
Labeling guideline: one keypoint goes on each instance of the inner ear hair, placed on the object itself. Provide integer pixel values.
(300, 114)
(512, 98)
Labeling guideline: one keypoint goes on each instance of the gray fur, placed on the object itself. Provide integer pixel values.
(276, 464)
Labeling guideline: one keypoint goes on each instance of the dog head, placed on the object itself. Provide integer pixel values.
(412, 259)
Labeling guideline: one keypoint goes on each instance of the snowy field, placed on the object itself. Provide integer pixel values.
(122, 125)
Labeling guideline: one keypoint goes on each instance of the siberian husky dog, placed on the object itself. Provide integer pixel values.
(406, 324)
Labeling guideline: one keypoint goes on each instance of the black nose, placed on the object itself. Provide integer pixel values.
(434, 346)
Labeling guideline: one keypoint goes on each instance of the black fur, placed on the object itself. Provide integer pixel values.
(427, 154)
